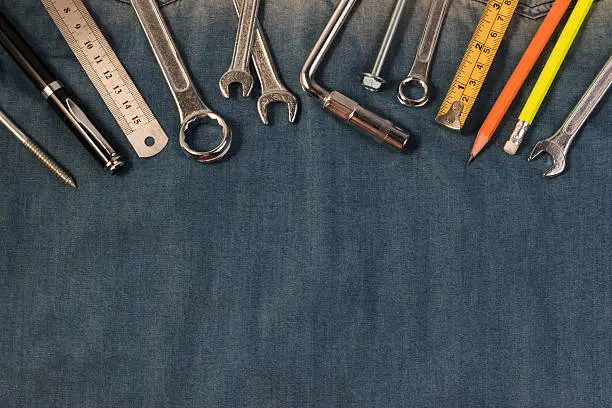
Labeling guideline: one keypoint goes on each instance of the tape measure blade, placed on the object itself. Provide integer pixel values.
(108, 75)
(476, 63)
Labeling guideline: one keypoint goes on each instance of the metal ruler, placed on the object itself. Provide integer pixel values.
(476, 63)
(108, 75)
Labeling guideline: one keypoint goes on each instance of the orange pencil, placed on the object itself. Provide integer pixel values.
(518, 77)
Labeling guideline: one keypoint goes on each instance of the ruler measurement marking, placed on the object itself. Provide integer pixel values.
(125, 80)
(65, 26)
(130, 111)
(479, 57)
(479, 28)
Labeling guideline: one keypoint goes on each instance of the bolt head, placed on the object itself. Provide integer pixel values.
(372, 82)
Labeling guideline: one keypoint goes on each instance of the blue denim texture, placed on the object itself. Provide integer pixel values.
(313, 268)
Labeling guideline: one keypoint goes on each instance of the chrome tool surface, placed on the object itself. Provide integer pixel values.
(558, 145)
(190, 105)
(341, 106)
(272, 88)
(239, 71)
(419, 73)
(372, 81)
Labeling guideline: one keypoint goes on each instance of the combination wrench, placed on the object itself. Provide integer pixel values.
(238, 71)
(272, 88)
(190, 105)
(558, 145)
(419, 73)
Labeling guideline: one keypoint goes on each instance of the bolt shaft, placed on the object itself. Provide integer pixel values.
(37, 151)
(389, 36)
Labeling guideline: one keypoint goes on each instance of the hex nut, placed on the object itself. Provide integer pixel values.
(372, 82)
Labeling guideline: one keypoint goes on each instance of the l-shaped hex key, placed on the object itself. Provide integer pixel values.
(338, 104)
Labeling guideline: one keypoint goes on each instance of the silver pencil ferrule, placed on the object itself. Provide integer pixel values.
(517, 137)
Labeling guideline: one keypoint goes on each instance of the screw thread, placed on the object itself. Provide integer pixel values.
(37, 151)
(49, 162)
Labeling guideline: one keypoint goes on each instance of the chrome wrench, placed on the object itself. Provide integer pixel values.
(419, 73)
(558, 145)
(190, 105)
(238, 71)
(272, 87)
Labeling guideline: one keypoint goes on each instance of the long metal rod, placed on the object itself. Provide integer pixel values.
(386, 44)
(321, 48)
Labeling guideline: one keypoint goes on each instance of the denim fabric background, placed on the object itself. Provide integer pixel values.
(314, 268)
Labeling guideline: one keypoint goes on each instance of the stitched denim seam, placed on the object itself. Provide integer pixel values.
(533, 12)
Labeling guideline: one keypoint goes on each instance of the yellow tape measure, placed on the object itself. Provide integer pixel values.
(476, 63)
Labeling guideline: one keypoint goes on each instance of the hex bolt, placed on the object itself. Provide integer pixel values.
(372, 80)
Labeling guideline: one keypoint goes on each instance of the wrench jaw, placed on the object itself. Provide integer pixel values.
(277, 97)
(555, 152)
(236, 77)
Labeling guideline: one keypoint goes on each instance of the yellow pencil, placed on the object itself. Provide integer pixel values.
(547, 77)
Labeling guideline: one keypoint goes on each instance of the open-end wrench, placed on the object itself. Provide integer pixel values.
(238, 71)
(558, 145)
(272, 87)
(419, 73)
(190, 105)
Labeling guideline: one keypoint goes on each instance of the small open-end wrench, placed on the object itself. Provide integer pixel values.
(190, 105)
(558, 145)
(419, 73)
(272, 88)
(238, 71)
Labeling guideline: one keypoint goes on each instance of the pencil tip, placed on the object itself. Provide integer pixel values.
(470, 159)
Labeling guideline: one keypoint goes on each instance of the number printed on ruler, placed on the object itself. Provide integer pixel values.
(476, 63)
(108, 75)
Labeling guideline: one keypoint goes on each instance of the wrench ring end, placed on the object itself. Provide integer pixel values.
(407, 101)
(214, 154)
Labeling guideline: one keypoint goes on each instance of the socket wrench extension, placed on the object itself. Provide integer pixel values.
(339, 105)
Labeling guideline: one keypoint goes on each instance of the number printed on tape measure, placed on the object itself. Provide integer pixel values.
(476, 62)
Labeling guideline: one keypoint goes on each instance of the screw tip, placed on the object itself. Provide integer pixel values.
(71, 183)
